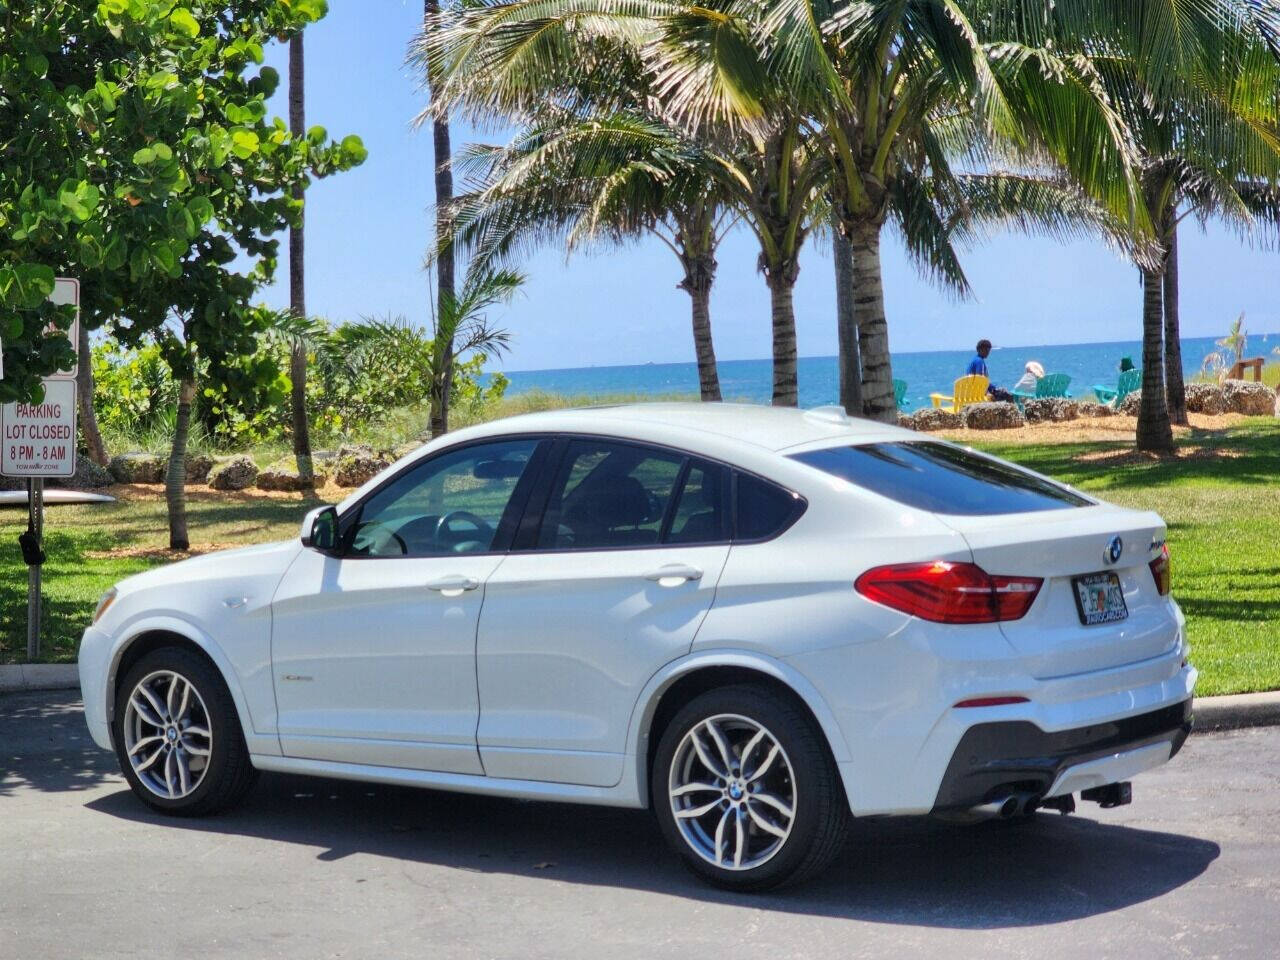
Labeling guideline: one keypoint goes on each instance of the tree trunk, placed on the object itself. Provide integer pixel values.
(88, 418)
(1154, 432)
(699, 273)
(1174, 388)
(443, 153)
(175, 481)
(873, 331)
(850, 360)
(297, 278)
(782, 286)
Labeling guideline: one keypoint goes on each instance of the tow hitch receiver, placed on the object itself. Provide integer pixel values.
(1112, 795)
(1064, 804)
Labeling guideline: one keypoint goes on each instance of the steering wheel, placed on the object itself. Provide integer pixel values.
(388, 536)
(444, 527)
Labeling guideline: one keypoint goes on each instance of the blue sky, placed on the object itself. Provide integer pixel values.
(368, 229)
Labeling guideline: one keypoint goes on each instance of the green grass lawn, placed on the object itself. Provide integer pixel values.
(1221, 499)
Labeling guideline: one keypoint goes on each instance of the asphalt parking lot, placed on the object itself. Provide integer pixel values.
(318, 868)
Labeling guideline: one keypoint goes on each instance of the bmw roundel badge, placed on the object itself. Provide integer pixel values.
(1115, 547)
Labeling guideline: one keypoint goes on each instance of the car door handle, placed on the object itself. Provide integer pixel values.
(454, 585)
(674, 574)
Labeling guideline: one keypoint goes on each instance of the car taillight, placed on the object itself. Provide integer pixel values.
(1162, 571)
(949, 592)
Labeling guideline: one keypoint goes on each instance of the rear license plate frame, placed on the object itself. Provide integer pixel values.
(1099, 617)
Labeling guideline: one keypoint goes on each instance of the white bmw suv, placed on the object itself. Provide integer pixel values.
(758, 622)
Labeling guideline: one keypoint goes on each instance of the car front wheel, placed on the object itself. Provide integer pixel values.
(745, 791)
(177, 735)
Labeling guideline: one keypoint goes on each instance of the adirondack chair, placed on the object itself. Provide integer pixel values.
(1129, 381)
(967, 390)
(1050, 385)
(899, 392)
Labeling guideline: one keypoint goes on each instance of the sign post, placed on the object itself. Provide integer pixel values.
(38, 440)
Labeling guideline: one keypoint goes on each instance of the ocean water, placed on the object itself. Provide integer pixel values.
(925, 373)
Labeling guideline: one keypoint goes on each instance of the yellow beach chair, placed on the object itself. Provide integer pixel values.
(967, 390)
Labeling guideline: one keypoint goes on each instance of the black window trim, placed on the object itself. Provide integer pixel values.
(528, 505)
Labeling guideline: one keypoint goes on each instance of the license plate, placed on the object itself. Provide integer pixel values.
(1099, 598)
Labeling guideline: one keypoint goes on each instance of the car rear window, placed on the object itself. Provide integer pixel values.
(941, 478)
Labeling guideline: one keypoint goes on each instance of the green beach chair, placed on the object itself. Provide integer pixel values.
(1129, 381)
(1050, 385)
(899, 392)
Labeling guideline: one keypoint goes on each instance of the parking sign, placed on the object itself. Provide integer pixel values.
(39, 439)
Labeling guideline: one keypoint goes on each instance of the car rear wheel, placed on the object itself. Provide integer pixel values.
(177, 736)
(745, 792)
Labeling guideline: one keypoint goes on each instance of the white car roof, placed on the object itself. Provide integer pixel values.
(772, 428)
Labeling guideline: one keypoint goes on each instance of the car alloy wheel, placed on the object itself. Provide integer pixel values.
(732, 792)
(167, 734)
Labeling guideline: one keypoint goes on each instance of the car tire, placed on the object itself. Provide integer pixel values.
(729, 822)
(178, 737)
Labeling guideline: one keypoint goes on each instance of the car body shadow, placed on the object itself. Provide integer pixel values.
(910, 871)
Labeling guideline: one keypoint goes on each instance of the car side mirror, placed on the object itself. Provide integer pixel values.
(320, 530)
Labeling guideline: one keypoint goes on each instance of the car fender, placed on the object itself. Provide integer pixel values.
(646, 704)
(188, 630)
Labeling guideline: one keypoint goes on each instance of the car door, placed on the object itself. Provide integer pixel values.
(373, 650)
(612, 584)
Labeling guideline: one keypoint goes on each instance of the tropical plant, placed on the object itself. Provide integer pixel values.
(1234, 346)
(462, 326)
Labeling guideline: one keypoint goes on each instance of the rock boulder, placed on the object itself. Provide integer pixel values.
(234, 473)
(1055, 409)
(997, 415)
(355, 466)
(1088, 408)
(932, 418)
(1251, 399)
(138, 468)
(1206, 398)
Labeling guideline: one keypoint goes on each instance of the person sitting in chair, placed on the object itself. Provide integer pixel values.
(1033, 374)
(978, 367)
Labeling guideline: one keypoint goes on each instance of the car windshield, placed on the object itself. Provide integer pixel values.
(941, 478)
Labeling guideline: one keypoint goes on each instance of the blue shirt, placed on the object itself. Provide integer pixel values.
(977, 366)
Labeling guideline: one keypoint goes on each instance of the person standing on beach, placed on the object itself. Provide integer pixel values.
(978, 367)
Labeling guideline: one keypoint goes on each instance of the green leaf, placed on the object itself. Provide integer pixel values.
(144, 156)
(353, 149)
(244, 143)
(185, 23)
(37, 64)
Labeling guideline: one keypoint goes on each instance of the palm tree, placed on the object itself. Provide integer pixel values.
(444, 255)
(462, 326)
(495, 63)
(297, 276)
(1207, 143)
(603, 179)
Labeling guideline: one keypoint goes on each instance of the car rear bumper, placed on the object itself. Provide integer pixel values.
(1001, 758)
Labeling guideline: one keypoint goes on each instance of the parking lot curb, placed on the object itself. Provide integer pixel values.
(1237, 710)
(38, 676)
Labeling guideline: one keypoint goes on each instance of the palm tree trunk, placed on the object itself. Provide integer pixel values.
(175, 480)
(850, 360)
(699, 274)
(1154, 433)
(782, 286)
(84, 388)
(868, 314)
(443, 153)
(1174, 388)
(297, 279)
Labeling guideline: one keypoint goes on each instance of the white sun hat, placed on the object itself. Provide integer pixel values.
(1035, 369)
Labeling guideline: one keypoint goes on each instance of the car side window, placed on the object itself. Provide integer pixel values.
(762, 509)
(702, 509)
(452, 503)
(609, 495)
